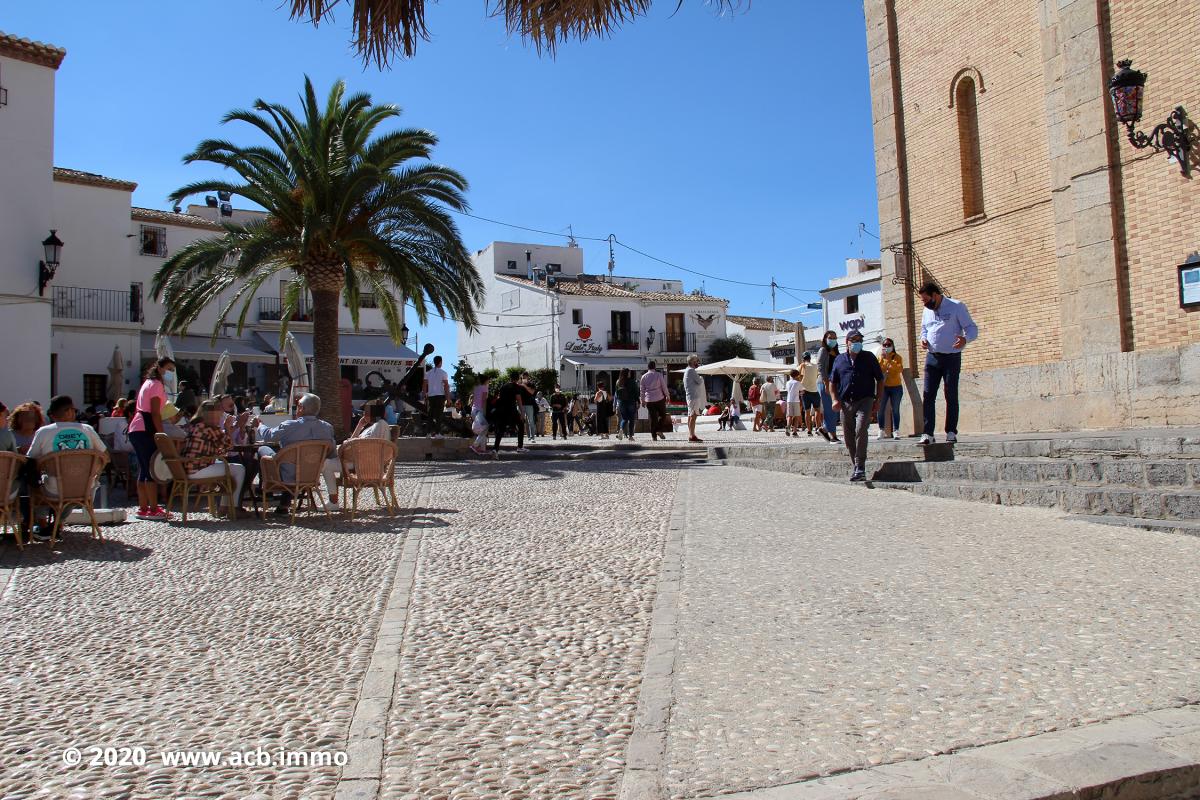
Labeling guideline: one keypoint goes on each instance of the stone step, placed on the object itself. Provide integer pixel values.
(1132, 473)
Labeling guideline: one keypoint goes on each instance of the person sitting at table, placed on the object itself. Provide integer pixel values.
(25, 421)
(62, 433)
(305, 427)
(174, 422)
(206, 444)
(372, 424)
(233, 422)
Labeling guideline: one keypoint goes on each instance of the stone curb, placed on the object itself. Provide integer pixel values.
(1152, 755)
(361, 776)
(644, 757)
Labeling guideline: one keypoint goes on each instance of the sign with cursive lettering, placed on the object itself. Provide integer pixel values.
(583, 347)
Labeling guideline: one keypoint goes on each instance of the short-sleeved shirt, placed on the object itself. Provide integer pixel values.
(479, 398)
(770, 392)
(377, 430)
(893, 369)
(752, 397)
(793, 390)
(809, 376)
(204, 445)
(437, 378)
(150, 390)
(59, 436)
(857, 378)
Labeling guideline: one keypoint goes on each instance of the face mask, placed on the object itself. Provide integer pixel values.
(856, 347)
(830, 342)
(888, 349)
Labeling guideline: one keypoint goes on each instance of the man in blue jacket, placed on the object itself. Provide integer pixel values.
(856, 388)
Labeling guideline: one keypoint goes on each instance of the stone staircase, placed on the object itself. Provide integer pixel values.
(1149, 481)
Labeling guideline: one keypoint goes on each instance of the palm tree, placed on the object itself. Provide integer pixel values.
(346, 214)
(382, 27)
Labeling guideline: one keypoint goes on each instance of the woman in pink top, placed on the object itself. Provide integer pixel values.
(479, 423)
(147, 421)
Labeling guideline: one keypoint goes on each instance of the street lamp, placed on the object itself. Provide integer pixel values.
(1126, 89)
(52, 247)
(404, 336)
(650, 337)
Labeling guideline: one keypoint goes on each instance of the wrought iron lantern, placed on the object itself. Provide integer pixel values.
(1127, 89)
(650, 338)
(404, 336)
(52, 247)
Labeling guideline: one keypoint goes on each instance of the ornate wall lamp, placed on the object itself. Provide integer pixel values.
(1126, 89)
(52, 246)
(650, 337)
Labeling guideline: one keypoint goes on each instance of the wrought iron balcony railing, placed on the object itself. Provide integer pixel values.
(101, 305)
(270, 309)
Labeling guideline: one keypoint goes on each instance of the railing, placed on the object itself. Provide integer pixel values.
(624, 340)
(270, 309)
(677, 342)
(104, 305)
(365, 300)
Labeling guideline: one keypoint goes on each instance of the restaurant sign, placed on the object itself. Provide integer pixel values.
(372, 362)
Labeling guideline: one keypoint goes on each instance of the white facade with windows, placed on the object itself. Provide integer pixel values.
(62, 342)
(542, 311)
(855, 302)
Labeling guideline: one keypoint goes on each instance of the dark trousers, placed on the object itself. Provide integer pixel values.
(558, 421)
(941, 367)
(628, 410)
(502, 421)
(856, 420)
(658, 416)
(437, 411)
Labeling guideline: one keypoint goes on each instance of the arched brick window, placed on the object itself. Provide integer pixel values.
(964, 103)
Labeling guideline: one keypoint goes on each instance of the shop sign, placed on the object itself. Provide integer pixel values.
(583, 347)
(852, 324)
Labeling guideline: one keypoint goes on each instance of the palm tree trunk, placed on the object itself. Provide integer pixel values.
(328, 382)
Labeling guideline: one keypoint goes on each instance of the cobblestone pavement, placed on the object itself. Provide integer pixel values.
(519, 671)
(210, 635)
(824, 627)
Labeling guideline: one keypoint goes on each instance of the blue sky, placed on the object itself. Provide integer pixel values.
(738, 145)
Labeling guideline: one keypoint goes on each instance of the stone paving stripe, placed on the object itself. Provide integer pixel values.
(1143, 755)
(360, 777)
(642, 779)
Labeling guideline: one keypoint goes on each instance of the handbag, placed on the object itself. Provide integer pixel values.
(643, 412)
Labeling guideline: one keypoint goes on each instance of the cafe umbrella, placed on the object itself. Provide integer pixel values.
(163, 349)
(116, 374)
(220, 376)
(297, 369)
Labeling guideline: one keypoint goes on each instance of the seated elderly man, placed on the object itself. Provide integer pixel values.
(306, 427)
(207, 443)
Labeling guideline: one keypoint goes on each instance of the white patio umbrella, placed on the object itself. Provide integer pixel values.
(736, 368)
(116, 374)
(163, 349)
(297, 369)
(220, 376)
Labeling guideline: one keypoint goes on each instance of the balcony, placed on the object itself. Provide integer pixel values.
(99, 305)
(270, 309)
(624, 340)
(677, 342)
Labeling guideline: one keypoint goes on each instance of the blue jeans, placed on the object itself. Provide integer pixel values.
(628, 416)
(941, 367)
(830, 418)
(892, 395)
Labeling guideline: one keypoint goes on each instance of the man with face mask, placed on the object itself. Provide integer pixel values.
(856, 388)
(946, 327)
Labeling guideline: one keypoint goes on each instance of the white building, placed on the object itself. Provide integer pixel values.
(542, 311)
(855, 302)
(98, 302)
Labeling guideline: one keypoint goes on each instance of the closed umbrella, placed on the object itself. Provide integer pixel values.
(220, 377)
(163, 349)
(116, 375)
(297, 369)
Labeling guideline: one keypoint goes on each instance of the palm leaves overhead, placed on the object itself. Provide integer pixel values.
(384, 27)
(350, 210)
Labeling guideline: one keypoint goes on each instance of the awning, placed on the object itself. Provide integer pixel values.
(199, 348)
(360, 350)
(598, 363)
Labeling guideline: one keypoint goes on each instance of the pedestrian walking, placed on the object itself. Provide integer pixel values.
(436, 388)
(795, 406)
(855, 388)
(654, 396)
(509, 411)
(627, 403)
(946, 328)
(542, 408)
(810, 379)
(752, 397)
(604, 407)
(529, 404)
(694, 394)
(558, 413)
(829, 352)
(479, 423)
(893, 388)
(769, 394)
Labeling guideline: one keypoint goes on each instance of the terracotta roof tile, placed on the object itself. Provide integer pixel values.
(46, 55)
(759, 323)
(599, 289)
(92, 179)
(171, 218)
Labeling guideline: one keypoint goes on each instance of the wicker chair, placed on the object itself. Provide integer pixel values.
(182, 486)
(10, 466)
(76, 473)
(308, 459)
(368, 464)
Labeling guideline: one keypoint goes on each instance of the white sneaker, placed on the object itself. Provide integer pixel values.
(952, 437)
(879, 436)
(925, 439)
(895, 434)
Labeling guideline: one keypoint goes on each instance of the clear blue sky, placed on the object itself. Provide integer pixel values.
(739, 146)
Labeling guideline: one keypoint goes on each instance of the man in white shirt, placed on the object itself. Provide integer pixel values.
(795, 406)
(693, 389)
(769, 394)
(63, 433)
(436, 389)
